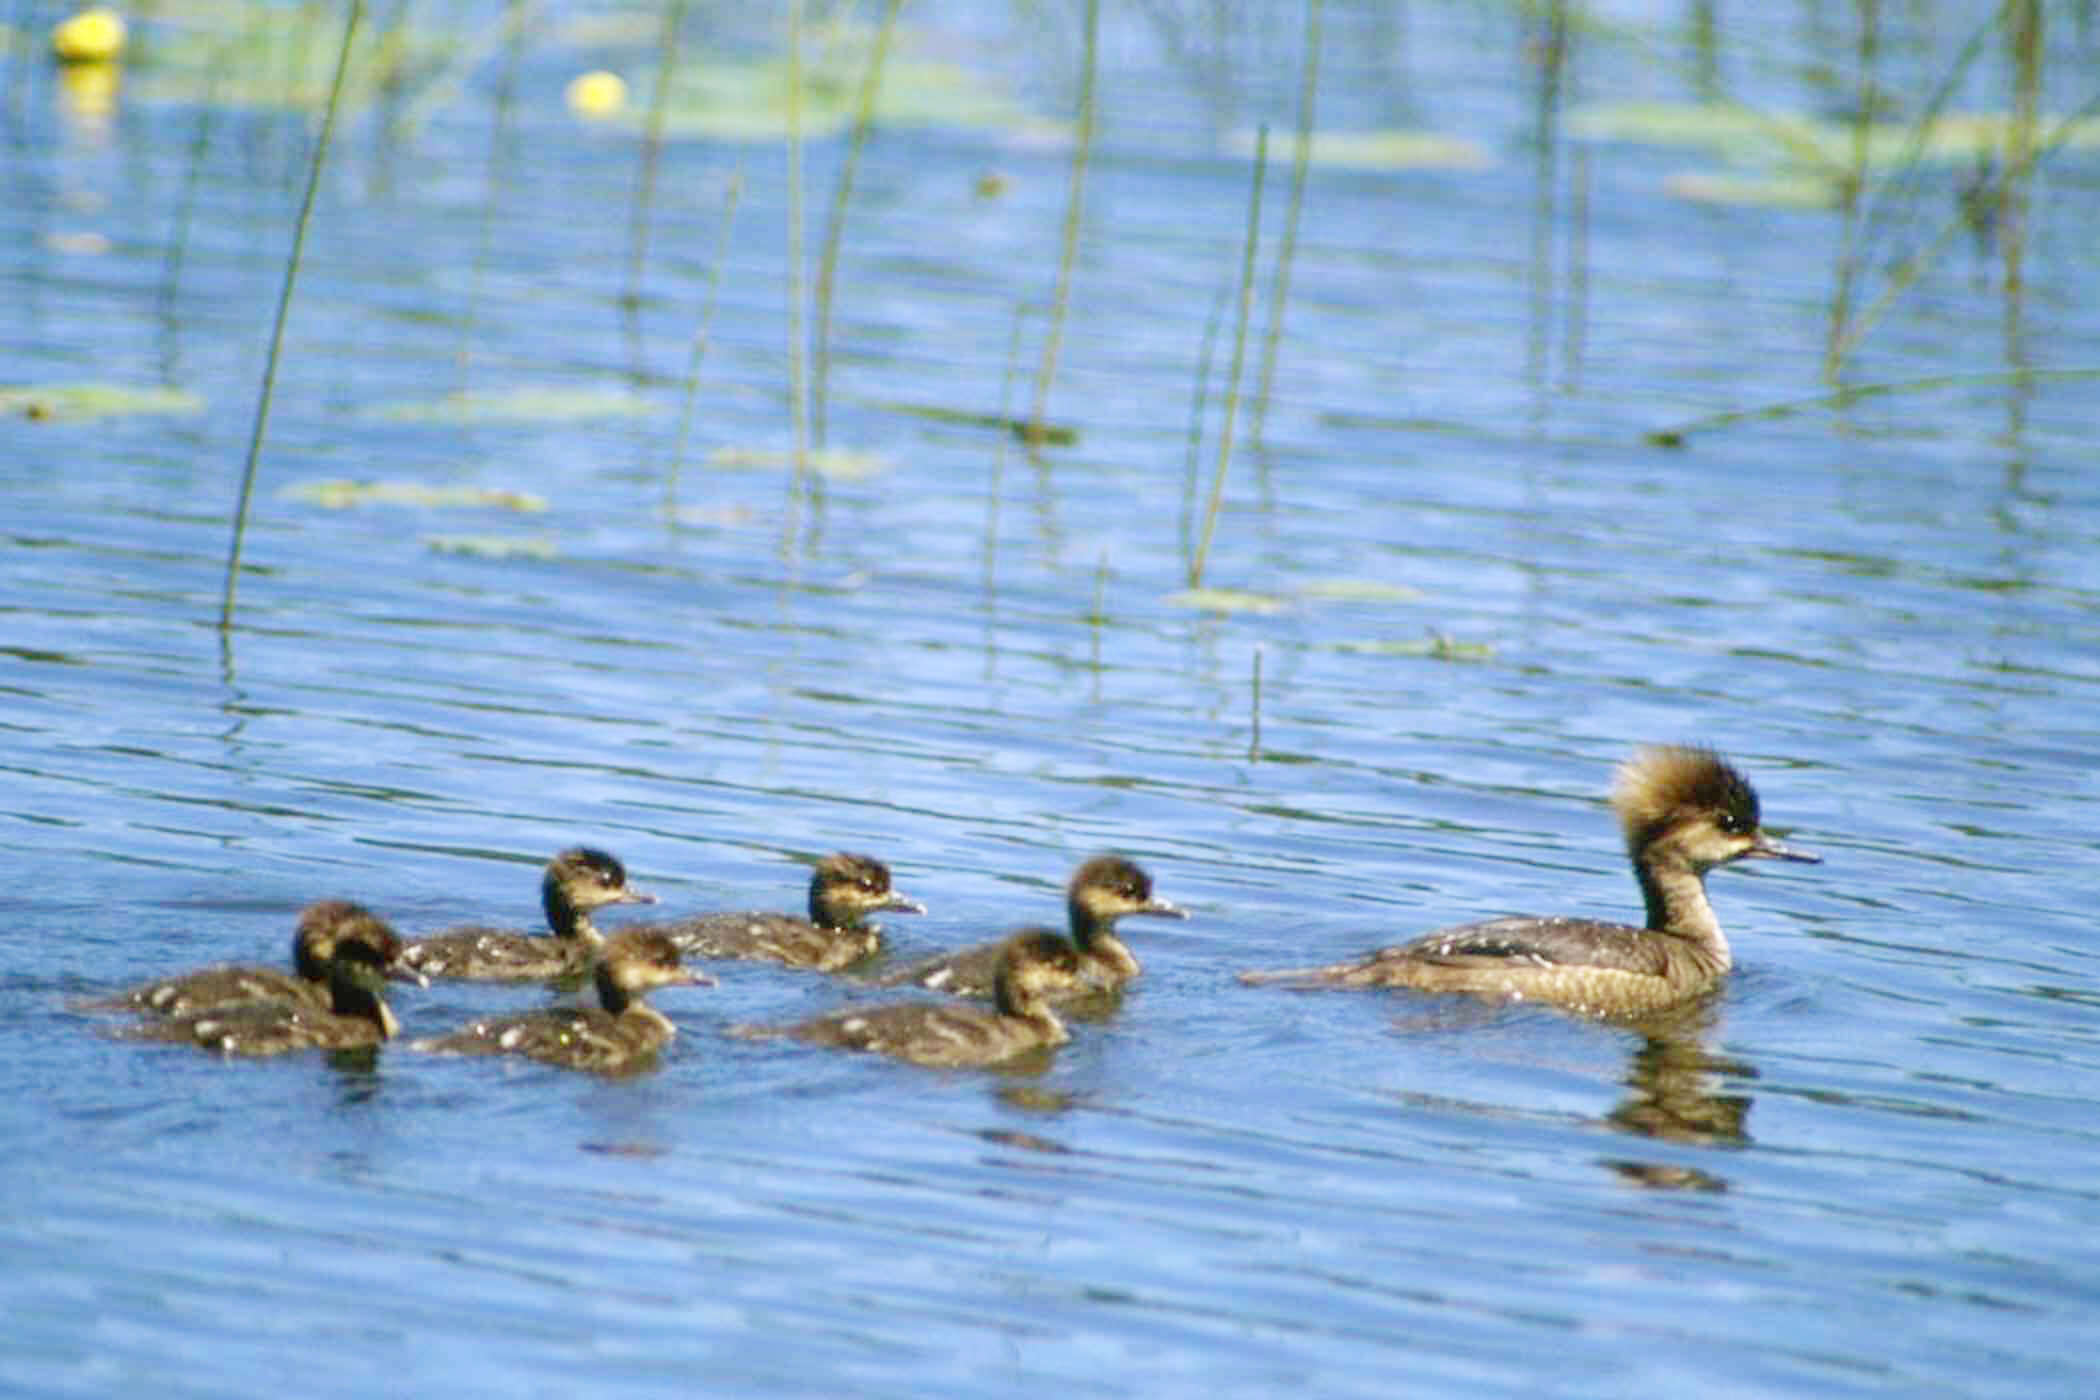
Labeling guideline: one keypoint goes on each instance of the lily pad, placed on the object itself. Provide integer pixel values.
(1359, 590)
(1228, 600)
(831, 463)
(1745, 135)
(747, 100)
(1436, 646)
(342, 495)
(1392, 149)
(1767, 192)
(1727, 129)
(493, 546)
(80, 403)
(265, 59)
(520, 406)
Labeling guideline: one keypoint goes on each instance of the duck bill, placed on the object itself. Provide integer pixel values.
(1165, 909)
(389, 1027)
(690, 977)
(634, 897)
(902, 904)
(1768, 849)
(402, 972)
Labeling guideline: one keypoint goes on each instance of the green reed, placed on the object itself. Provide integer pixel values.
(798, 386)
(1301, 164)
(1075, 203)
(644, 204)
(697, 354)
(835, 225)
(284, 311)
(1239, 359)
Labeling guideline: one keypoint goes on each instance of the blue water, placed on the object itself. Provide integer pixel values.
(1867, 1168)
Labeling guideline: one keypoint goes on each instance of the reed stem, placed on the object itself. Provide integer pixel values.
(698, 352)
(1851, 189)
(798, 368)
(652, 153)
(284, 311)
(1199, 403)
(835, 225)
(1075, 203)
(1254, 744)
(1239, 358)
(1286, 252)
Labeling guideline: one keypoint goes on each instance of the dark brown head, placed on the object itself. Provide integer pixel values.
(636, 961)
(325, 925)
(581, 879)
(1687, 803)
(357, 973)
(1105, 889)
(1033, 963)
(845, 888)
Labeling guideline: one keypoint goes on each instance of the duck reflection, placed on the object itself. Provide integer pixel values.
(1672, 1096)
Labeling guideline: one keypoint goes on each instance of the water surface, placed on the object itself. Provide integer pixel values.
(1864, 1168)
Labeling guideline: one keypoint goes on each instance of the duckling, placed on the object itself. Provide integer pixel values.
(620, 1034)
(576, 882)
(1101, 891)
(1683, 811)
(357, 1016)
(843, 890)
(322, 925)
(1033, 965)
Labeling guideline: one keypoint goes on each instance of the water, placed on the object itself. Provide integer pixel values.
(1866, 1168)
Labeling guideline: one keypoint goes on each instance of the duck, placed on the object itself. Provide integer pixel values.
(576, 882)
(619, 1035)
(844, 889)
(1683, 811)
(1033, 965)
(1102, 890)
(357, 1016)
(322, 925)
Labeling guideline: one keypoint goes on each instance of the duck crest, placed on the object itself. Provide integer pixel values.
(1664, 783)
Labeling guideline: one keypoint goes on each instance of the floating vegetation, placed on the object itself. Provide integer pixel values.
(1034, 434)
(1436, 647)
(1392, 149)
(1754, 191)
(263, 59)
(492, 546)
(1746, 136)
(747, 100)
(832, 463)
(79, 243)
(1356, 590)
(1333, 590)
(344, 495)
(1229, 600)
(82, 403)
(520, 406)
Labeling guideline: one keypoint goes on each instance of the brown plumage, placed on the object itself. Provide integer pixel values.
(1684, 811)
(620, 1034)
(1034, 965)
(574, 883)
(321, 926)
(844, 890)
(356, 1017)
(1101, 891)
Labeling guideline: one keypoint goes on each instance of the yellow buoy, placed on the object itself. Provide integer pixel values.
(595, 94)
(92, 36)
